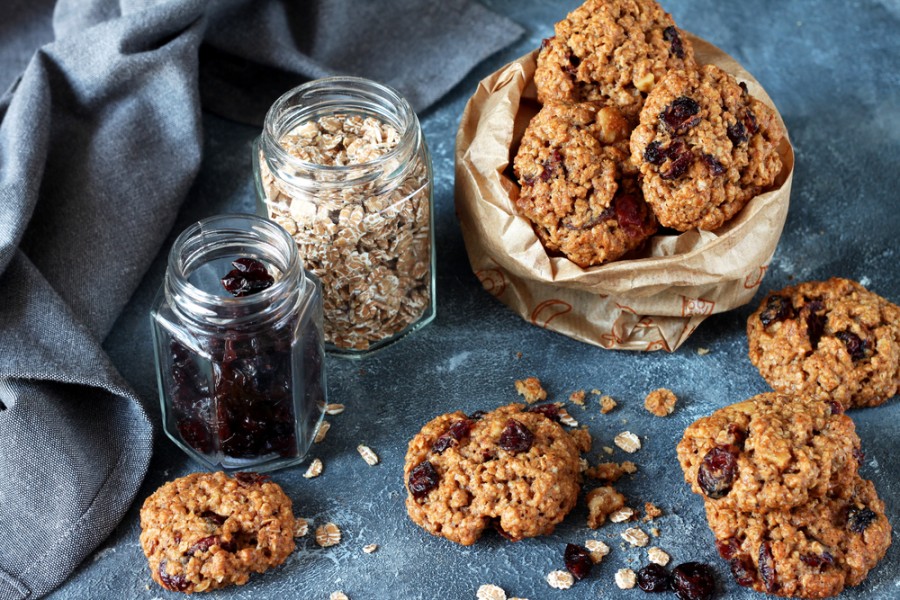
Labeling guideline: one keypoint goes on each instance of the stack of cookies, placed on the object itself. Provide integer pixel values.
(633, 134)
(783, 496)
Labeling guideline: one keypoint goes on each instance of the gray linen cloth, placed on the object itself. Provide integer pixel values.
(100, 141)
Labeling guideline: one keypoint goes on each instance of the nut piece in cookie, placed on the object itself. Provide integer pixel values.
(611, 51)
(514, 469)
(206, 530)
(704, 147)
(834, 340)
(577, 187)
(771, 452)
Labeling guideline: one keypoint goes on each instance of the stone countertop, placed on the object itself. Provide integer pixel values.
(833, 70)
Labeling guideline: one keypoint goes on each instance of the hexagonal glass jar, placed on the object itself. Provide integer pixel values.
(241, 379)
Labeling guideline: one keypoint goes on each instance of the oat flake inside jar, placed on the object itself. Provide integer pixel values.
(343, 166)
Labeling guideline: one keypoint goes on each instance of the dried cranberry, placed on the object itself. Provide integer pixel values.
(818, 561)
(247, 478)
(767, 567)
(717, 471)
(549, 410)
(213, 517)
(715, 167)
(742, 570)
(208, 542)
(680, 160)
(681, 115)
(249, 276)
(750, 123)
(670, 34)
(632, 214)
(857, 347)
(815, 327)
(175, 583)
(693, 581)
(515, 437)
(859, 455)
(737, 133)
(546, 41)
(422, 479)
(778, 308)
(578, 561)
(477, 415)
(553, 164)
(653, 154)
(859, 519)
(654, 578)
(457, 431)
(836, 407)
(729, 548)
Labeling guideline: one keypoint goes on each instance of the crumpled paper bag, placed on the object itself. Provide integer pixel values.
(653, 301)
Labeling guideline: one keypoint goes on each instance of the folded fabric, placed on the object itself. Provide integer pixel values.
(100, 141)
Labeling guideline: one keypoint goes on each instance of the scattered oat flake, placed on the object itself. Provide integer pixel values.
(607, 404)
(328, 534)
(702, 351)
(314, 470)
(597, 549)
(301, 527)
(625, 579)
(370, 548)
(368, 455)
(608, 450)
(628, 442)
(596, 392)
(530, 388)
(560, 580)
(623, 514)
(338, 596)
(323, 430)
(658, 556)
(660, 402)
(577, 397)
(636, 537)
(490, 592)
(566, 419)
(334, 409)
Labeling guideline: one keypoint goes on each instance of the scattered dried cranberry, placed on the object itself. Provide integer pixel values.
(670, 34)
(818, 561)
(737, 133)
(857, 348)
(247, 478)
(715, 167)
(859, 519)
(549, 410)
(681, 115)
(717, 471)
(767, 567)
(516, 437)
(249, 276)
(742, 570)
(654, 578)
(578, 561)
(632, 214)
(693, 581)
(457, 431)
(680, 160)
(422, 479)
(175, 583)
(778, 308)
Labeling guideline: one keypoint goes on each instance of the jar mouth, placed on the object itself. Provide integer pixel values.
(342, 95)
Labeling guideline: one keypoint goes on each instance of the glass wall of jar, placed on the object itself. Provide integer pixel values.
(342, 165)
(237, 327)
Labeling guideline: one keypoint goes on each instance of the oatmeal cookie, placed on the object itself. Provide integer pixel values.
(514, 468)
(809, 551)
(705, 147)
(769, 452)
(834, 340)
(206, 530)
(612, 51)
(577, 187)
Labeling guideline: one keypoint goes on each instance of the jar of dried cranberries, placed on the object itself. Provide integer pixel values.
(237, 327)
(343, 166)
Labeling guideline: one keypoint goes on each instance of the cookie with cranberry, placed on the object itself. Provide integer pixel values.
(704, 147)
(810, 551)
(577, 186)
(770, 452)
(832, 339)
(207, 530)
(613, 51)
(513, 469)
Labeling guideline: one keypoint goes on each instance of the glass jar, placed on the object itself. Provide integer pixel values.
(241, 379)
(343, 166)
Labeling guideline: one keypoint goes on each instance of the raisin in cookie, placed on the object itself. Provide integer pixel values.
(612, 51)
(769, 452)
(206, 530)
(516, 469)
(705, 147)
(833, 339)
(809, 551)
(577, 187)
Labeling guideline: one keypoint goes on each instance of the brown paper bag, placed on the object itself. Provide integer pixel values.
(649, 303)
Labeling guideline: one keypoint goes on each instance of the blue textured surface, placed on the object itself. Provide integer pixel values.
(833, 70)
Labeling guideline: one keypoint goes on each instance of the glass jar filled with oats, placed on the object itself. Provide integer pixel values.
(343, 166)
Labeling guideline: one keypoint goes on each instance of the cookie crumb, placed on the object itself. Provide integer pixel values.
(582, 438)
(625, 579)
(623, 514)
(607, 404)
(560, 580)
(636, 537)
(651, 511)
(530, 388)
(611, 471)
(608, 450)
(660, 402)
(597, 549)
(602, 502)
(370, 548)
(314, 469)
(577, 397)
(596, 392)
(654, 531)
(628, 442)
(368, 455)
(301, 527)
(323, 431)
(338, 596)
(658, 556)
(328, 535)
(334, 409)
(490, 592)
(702, 351)
(518, 355)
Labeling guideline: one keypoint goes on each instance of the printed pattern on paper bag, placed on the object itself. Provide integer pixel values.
(755, 278)
(548, 310)
(493, 281)
(696, 307)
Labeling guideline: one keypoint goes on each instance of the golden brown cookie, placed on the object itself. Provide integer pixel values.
(809, 551)
(577, 187)
(769, 452)
(513, 468)
(206, 531)
(704, 147)
(612, 51)
(832, 339)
